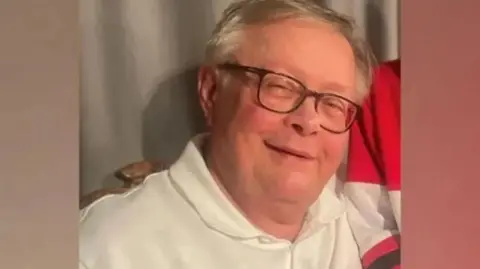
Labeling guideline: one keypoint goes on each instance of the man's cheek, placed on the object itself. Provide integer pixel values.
(248, 118)
(261, 119)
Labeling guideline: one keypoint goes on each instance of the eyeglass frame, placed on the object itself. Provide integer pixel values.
(262, 73)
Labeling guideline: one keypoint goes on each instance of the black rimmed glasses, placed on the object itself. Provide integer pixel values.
(284, 94)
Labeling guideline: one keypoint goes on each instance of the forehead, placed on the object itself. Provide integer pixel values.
(312, 51)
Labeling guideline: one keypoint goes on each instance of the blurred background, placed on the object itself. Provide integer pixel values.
(138, 80)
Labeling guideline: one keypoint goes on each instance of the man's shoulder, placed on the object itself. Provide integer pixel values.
(121, 203)
(118, 219)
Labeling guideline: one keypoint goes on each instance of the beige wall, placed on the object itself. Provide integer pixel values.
(39, 113)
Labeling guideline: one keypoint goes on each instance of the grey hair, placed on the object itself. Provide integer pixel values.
(224, 40)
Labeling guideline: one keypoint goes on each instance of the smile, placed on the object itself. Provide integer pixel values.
(290, 151)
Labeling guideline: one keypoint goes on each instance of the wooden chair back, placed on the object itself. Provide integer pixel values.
(131, 175)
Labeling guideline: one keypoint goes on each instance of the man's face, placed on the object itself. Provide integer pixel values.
(251, 146)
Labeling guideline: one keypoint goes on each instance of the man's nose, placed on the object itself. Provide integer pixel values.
(305, 119)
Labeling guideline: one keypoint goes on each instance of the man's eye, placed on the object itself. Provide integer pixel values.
(332, 105)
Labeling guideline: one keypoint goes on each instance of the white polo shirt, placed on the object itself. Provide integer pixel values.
(180, 219)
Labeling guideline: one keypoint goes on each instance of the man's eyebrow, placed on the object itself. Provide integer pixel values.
(297, 75)
(335, 86)
(330, 86)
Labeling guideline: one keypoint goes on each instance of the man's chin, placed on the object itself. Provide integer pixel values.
(295, 190)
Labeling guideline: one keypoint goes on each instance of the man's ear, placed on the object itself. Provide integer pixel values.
(207, 91)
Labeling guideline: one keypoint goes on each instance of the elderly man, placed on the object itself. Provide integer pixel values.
(281, 87)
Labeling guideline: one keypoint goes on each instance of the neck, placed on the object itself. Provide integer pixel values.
(282, 220)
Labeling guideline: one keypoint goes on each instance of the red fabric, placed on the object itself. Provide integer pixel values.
(383, 248)
(380, 119)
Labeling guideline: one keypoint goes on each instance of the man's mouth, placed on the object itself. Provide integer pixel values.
(290, 151)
